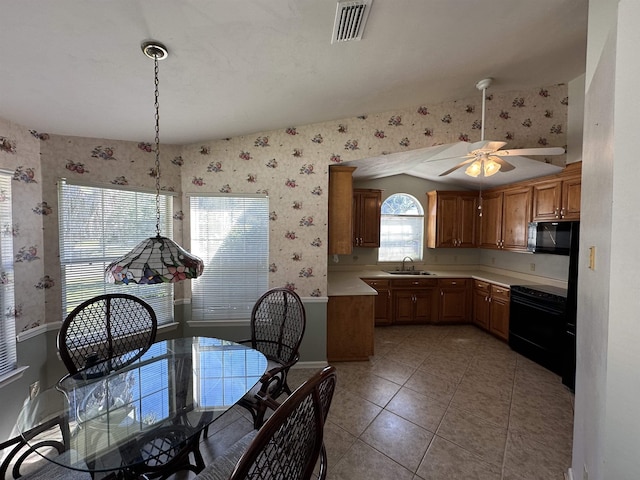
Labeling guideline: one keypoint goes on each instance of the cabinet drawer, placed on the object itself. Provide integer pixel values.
(414, 282)
(452, 282)
(376, 283)
(481, 285)
(500, 292)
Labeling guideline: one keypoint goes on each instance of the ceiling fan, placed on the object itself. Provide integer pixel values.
(485, 156)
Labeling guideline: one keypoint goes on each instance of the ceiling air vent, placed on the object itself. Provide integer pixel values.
(351, 16)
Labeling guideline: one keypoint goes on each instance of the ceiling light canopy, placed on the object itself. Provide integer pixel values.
(157, 259)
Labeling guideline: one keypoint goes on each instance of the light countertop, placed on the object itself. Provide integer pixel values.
(349, 283)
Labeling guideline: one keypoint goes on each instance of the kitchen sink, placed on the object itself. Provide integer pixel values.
(409, 272)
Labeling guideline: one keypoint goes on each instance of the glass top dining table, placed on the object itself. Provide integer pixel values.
(181, 384)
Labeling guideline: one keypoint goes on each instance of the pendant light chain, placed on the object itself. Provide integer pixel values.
(157, 141)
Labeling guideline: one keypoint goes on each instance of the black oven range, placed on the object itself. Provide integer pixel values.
(538, 323)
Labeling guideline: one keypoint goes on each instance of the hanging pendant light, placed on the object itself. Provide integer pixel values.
(157, 259)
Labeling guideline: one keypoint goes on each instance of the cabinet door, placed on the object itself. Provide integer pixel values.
(447, 220)
(571, 191)
(453, 305)
(382, 302)
(481, 309)
(403, 306)
(340, 222)
(491, 220)
(367, 205)
(424, 305)
(468, 215)
(515, 218)
(499, 321)
(546, 200)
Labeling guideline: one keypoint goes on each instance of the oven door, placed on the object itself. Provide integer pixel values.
(536, 330)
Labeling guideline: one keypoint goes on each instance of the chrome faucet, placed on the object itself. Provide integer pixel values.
(412, 266)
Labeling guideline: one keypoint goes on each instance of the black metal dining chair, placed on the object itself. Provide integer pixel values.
(116, 328)
(23, 456)
(289, 443)
(278, 321)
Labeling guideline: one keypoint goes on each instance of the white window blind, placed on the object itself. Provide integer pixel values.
(231, 235)
(98, 225)
(401, 228)
(8, 361)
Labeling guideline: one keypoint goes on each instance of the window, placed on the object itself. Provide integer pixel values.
(401, 228)
(231, 235)
(98, 225)
(8, 360)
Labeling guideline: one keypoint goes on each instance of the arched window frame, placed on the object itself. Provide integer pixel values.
(401, 228)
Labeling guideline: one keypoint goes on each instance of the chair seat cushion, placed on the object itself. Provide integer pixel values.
(223, 465)
(250, 396)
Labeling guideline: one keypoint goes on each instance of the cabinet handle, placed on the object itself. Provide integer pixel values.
(556, 212)
(454, 283)
(562, 212)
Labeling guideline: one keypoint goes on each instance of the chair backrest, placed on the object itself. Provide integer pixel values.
(118, 327)
(278, 321)
(290, 441)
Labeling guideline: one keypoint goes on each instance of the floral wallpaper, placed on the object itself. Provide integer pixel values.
(289, 165)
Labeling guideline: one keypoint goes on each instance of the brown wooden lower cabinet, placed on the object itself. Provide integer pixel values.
(491, 308)
(414, 300)
(383, 300)
(453, 301)
(350, 324)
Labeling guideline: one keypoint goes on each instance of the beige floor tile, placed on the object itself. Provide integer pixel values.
(446, 461)
(474, 434)
(393, 371)
(533, 460)
(440, 388)
(398, 438)
(363, 462)
(351, 412)
(450, 366)
(417, 408)
(373, 388)
(337, 441)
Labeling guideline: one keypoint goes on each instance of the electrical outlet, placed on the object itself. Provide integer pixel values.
(532, 267)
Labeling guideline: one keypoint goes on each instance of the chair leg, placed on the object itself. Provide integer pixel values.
(322, 472)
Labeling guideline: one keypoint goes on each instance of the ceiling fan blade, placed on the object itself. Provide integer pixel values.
(461, 164)
(504, 165)
(486, 146)
(523, 152)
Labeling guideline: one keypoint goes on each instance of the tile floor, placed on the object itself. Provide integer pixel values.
(438, 402)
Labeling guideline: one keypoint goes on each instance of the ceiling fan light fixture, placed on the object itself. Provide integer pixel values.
(491, 167)
(157, 259)
(474, 169)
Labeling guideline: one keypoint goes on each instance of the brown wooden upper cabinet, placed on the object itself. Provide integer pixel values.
(505, 218)
(366, 217)
(452, 219)
(340, 221)
(557, 199)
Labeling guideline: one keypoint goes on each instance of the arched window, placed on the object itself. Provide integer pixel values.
(401, 228)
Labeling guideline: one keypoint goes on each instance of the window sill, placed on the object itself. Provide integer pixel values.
(12, 376)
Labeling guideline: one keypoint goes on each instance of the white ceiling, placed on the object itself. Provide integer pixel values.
(430, 162)
(74, 67)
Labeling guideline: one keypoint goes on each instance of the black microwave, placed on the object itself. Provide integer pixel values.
(551, 237)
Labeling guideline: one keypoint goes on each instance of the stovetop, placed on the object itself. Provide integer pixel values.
(548, 292)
